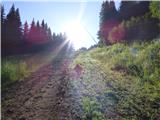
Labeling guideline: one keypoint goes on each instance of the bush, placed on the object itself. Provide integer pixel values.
(141, 60)
(8, 72)
(92, 110)
(154, 8)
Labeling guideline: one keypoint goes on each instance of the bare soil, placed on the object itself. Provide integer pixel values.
(42, 96)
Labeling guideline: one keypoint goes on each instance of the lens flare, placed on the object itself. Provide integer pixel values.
(76, 33)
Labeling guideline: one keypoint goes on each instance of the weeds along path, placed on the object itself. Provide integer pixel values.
(40, 97)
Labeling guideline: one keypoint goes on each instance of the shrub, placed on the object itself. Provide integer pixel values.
(154, 8)
(92, 110)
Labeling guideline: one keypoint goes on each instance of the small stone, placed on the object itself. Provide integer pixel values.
(9, 111)
(22, 118)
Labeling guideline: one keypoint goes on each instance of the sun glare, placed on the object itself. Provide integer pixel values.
(76, 33)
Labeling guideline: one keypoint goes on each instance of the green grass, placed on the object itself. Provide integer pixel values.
(15, 68)
(11, 71)
(141, 60)
(92, 110)
(134, 71)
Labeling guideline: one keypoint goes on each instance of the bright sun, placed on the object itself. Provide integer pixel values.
(76, 33)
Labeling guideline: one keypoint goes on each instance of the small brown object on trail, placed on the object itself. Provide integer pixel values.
(79, 69)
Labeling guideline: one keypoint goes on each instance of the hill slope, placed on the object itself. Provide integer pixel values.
(129, 84)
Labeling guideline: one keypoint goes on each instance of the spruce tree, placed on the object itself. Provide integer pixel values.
(32, 32)
(2, 23)
(32, 28)
(3, 31)
(26, 31)
(42, 24)
(109, 18)
(2, 15)
(38, 32)
(46, 32)
(49, 34)
(18, 25)
(108, 11)
(38, 24)
(10, 25)
(13, 26)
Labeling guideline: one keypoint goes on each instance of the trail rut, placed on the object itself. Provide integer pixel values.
(42, 96)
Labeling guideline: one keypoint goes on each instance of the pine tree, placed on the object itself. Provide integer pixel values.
(11, 14)
(38, 32)
(45, 26)
(32, 29)
(38, 26)
(109, 18)
(13, 24)
(3, 31)
(49, 34)
(53, 36)
(18, 25)
(3, 23)
(10, 22)
(42, 31)
(12, 31)
(26, 31)
(108, 11)
(46, 32)
(42, 24)
(2, 15)
(32, 32)
(104, 10)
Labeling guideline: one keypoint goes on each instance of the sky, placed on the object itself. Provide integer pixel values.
(59, 14)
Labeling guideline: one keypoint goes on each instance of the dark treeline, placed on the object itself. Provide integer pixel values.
(133, 21)
(18, 38)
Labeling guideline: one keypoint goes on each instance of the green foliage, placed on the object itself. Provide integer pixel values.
(143, 28)
(12, 71)
(130, 9)
(133, 21)
(155, 9)
(141, 60)
(133, 76)
(8, 71)
(92, 110)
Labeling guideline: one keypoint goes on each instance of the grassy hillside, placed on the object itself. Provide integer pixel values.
(133, 76)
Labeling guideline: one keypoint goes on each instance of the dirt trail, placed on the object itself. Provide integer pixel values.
(42, 96)
(54, 92)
